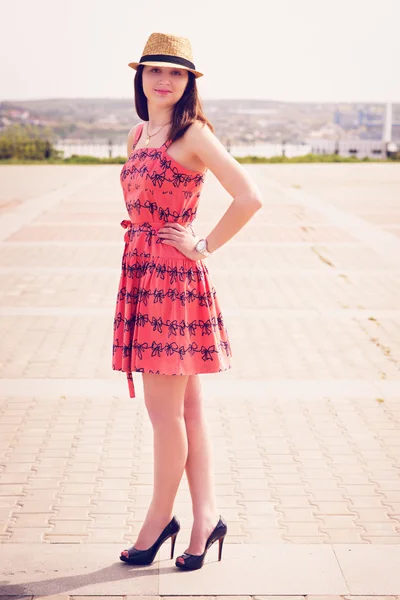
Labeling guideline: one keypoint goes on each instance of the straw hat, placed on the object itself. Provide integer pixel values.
(164, 49)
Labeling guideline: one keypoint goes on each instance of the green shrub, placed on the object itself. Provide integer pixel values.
(27, 142)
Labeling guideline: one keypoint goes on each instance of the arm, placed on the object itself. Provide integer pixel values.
(233, 177)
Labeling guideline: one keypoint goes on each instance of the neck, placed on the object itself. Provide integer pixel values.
(158, 117)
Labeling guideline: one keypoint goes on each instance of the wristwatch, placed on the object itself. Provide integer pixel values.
(201, 246)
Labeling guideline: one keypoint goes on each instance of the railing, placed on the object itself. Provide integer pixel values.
(345, 148)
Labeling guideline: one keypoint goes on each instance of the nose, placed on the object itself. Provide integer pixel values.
(164, 78)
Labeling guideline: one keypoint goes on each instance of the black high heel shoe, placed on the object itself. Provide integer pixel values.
(195, 561)
(146, 557)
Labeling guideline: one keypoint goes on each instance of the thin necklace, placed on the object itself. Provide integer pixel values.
(153, 134)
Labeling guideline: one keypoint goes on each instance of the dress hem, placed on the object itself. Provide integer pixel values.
(191, 373)
(131, 385)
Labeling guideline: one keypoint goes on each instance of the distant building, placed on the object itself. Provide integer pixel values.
(368, 119)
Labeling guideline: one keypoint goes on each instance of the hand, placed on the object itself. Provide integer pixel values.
(174, 234)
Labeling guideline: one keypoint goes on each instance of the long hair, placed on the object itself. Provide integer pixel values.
(187, 110)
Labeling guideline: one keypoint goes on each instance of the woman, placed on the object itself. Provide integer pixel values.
(168, 320)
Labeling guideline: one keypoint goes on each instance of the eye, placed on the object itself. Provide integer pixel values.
(157, 69)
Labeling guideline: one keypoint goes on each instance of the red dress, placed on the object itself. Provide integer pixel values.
(167, 316)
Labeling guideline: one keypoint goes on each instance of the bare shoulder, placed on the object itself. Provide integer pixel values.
(213, 154)
(196, 130)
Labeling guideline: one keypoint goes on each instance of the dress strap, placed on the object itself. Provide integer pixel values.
(139, 133)
(137, 136)
(167, 144)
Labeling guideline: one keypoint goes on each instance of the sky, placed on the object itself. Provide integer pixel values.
(289, 50)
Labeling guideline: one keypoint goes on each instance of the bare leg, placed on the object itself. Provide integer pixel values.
(199, 468)
(164, 399)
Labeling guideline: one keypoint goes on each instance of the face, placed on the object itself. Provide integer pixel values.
(158, 79)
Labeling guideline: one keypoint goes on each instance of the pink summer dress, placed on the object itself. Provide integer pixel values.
(167, 316)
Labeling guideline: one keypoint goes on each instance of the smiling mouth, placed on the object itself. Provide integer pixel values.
(163, 91)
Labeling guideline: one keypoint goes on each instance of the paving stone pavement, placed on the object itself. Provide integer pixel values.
(305, 426)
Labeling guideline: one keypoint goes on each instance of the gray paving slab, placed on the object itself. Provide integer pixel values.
(370, 570)
(382, 242)
(261, 570)
(23, 214)
(44, 569)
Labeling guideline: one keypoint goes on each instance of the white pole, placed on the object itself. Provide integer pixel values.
(387, 127)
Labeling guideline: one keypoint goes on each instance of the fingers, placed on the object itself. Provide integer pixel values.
(168, 236)
(170, 242)
(176, 226)
(174, 234)
(171, 233)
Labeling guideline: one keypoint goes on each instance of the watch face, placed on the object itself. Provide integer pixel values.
(201, 245)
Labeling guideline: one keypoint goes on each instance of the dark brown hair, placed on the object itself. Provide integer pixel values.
(187, 110)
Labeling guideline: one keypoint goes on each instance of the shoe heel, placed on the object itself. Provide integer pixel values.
(220, 542)
(173, 539)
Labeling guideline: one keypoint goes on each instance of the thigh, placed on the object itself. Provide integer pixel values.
(164, 395)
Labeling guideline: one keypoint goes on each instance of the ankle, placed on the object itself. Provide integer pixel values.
(159, 516)
(206, 516)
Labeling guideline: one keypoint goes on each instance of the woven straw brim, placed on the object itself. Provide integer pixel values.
(134, 65)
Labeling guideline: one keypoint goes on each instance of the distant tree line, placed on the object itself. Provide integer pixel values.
(27, 142)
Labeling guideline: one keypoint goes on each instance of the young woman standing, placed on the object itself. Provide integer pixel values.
(168, 323)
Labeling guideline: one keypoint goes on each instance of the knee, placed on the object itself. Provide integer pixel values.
(192, 414)
(164, 415)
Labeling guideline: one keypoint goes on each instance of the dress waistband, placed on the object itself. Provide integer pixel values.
(150, 225)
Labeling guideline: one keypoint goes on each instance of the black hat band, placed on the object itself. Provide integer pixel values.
(168, 58)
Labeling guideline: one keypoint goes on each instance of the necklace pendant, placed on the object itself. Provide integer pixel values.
(147, 141)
